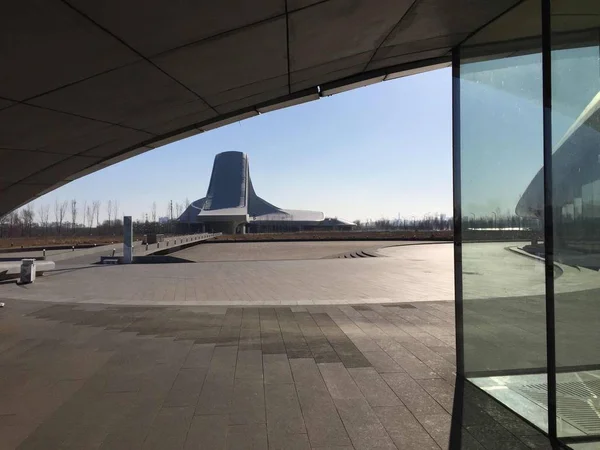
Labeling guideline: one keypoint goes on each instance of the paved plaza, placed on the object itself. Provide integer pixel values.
(278, 354)
(283, 251)
(406, 277)
(317, 377)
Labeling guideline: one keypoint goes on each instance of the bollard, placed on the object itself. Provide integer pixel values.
(158, 245)
(44, 253)
(146, 246)
(113, 252)
(27, 274)
(73, 248)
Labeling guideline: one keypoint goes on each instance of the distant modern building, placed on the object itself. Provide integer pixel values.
(232, 206)
(576, 193)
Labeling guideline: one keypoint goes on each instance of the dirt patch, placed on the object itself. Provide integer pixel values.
(49, 242)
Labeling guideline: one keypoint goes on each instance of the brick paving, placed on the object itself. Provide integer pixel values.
(406, 277)
(94, 376)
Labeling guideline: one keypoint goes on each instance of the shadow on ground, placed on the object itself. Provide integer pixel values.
(354, 377)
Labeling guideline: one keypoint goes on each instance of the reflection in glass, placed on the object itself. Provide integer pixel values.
(503, 239)
(501, 151)
(576, 181)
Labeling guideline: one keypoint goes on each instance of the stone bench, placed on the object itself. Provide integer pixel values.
(12, 269)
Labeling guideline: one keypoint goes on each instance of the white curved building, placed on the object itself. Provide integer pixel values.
(231, 204)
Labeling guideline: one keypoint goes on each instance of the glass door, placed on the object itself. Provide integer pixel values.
(575, 81)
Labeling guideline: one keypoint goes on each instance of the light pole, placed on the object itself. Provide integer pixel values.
(473, 214)
(495, 219)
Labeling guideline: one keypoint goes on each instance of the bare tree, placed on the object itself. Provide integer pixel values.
(178, 209)
(3, 220)
(13, 221)
(109, 211)
(27, 216)
(96, 206)
(60, 210)
(44, 214)
(153, 212)
(116, 208)
(73, 214)
(89, 216)
(56, 214)
(170, 210)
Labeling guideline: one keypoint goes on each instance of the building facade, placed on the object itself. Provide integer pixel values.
(526, 93)
(232, 206)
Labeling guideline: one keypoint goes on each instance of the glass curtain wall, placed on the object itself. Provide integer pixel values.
(527, 166)
(501, 150)
(575, 136)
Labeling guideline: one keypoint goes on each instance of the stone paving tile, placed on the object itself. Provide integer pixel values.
(284, 416)
(410, 363)
(199, 356)
(133, 427)
(445, 351)
(250, 339)
(363, 426)
(441, 391)
(382, 362)
(277, 369)
(342, 345)
(335, 447)
(187, 387)
(74, 425)
(496, 437)
(373, 387)
(361, 422)
(247, 437)
(321, 349)
(248, 402)
(270, 333)
(249, 365)
(438, 427)
(416, 399)
(217, 392)
(169, 429)
(295, 344)
(406, 432)
(323, 423)
(288, 441)
(319, 376)
(208, 432)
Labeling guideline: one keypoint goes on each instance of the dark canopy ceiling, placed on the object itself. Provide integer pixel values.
(85, 83)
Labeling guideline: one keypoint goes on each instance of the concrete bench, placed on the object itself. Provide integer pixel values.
(12, 269)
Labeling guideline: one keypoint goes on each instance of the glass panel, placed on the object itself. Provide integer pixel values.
(501, 133)
(576, 180)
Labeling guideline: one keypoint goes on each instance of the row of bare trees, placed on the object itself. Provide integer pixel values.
(82, 216)
(172, 212)
(153, 222)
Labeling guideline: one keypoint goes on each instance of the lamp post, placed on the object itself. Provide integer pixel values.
(495, 219)
(473, 226)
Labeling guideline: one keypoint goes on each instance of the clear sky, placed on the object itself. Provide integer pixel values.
(379, 151)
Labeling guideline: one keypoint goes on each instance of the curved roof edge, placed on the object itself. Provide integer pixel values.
(296, 98)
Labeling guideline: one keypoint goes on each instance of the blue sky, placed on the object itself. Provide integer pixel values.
(378, 151)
